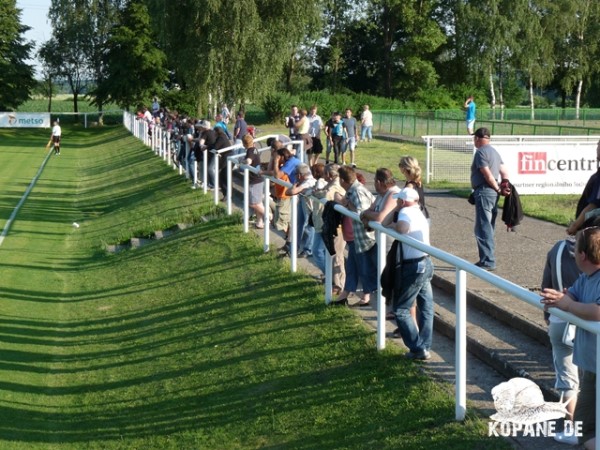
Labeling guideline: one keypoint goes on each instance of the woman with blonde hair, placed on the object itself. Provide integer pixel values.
(410, 169)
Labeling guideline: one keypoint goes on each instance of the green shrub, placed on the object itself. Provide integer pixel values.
(540, 101)
(432, 99)
(180, 101)
(277, 105)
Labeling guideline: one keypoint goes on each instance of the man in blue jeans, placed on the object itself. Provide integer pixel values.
(412, 276)
(487, 168)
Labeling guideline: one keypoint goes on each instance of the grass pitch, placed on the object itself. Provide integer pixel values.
(196, 341)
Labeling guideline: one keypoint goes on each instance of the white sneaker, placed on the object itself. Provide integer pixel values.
(569, 439)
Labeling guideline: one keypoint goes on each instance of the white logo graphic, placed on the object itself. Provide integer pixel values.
(520, 405)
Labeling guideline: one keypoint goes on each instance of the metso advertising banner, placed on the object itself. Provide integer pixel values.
(24, 120)
(549, 168)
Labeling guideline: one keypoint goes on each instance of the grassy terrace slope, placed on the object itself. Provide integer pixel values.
(196, 341)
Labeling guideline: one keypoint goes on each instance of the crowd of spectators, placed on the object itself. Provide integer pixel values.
(189, 136)
(321, 229)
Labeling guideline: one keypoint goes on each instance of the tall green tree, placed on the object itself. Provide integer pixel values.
(67, 52)
(80, 31)
(493, 42)
(135, 67)
(534, 55)
(104, 14)
(233, 50)
(51, 68)
(16, 76)
(578, 22)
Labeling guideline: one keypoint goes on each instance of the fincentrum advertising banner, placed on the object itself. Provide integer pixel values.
(549, 167)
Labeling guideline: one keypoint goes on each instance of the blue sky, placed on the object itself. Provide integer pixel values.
(34, 13)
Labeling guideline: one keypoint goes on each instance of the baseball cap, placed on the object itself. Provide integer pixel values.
(482, 133)
(408, 195)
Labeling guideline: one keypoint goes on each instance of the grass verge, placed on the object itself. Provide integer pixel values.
(199, 340)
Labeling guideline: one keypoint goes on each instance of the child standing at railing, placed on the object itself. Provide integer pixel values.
(583, 300)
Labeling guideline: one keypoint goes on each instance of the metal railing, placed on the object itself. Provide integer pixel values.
(461, 266)
(418, 123)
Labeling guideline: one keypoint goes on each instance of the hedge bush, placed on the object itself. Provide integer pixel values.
(277, 104)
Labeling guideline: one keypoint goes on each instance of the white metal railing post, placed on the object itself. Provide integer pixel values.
(216, 158)
(294, 234)
(428, 160)
(158, 133)
(169, 147)
(381, 254)
(461, 344)
(246, 198)
(195, 180)
(267, 215)
(187, 158)
(204, 170)
(229, 186)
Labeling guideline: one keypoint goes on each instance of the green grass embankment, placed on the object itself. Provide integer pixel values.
(195, 341)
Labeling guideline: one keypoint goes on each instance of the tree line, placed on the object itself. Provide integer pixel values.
(425, 53)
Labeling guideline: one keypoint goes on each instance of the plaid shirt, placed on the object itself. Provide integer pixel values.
(361, 198)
